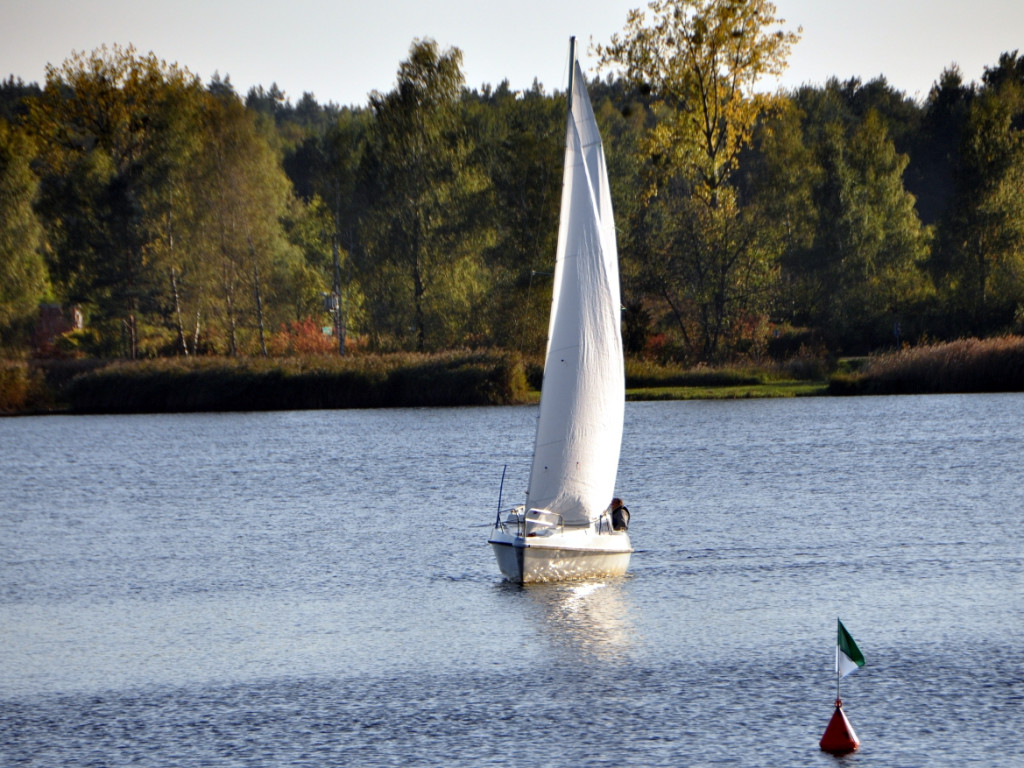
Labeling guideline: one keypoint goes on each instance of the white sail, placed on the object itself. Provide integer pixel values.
(579, 431)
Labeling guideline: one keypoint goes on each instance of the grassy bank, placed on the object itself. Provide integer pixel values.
(736, 392)
(647, 381)
(967, 365)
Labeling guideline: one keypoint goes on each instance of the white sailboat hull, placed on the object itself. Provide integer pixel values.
(572, 554)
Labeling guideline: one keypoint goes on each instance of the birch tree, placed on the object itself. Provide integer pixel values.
(423, 239)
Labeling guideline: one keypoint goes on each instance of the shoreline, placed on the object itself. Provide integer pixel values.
(470, 378)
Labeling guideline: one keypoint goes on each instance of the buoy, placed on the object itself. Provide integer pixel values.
(839, 737)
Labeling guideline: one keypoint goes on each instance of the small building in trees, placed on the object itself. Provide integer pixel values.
(54, 321)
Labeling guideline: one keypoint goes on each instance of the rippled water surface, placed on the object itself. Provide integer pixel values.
(314, 589)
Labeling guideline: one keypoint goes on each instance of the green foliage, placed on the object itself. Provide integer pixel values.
(243, 199)
(519, 141)
(14, 97)
(85, 342)
(423, 234)
(702, 60)
(185, 222)
(23, 278)
(935, 149)
(981, 250)
(116, 131)
(871, 242)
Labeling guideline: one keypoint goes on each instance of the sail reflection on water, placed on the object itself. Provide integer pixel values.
(587, 618)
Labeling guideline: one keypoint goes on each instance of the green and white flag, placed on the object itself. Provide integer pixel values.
(848, 656)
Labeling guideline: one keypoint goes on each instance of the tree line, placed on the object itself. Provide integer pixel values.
(186, 219)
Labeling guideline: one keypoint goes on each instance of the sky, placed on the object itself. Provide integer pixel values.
(341, 50)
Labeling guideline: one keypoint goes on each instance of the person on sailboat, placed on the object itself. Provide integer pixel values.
(620, 515)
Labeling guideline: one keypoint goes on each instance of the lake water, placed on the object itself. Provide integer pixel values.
(314, 589)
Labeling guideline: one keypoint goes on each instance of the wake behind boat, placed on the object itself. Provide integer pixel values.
(567, 529)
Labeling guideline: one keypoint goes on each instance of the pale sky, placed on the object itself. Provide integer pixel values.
(341, 50)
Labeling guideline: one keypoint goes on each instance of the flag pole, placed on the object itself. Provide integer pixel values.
(838, 678)
(839, 701)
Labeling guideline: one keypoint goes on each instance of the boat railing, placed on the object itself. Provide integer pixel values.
(514, 520)
(536, 522)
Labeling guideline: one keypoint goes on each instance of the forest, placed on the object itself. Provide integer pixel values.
(181, 218)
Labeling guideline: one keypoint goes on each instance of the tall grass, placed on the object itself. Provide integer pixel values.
(967, 365)
(644, 374)
(218, 384)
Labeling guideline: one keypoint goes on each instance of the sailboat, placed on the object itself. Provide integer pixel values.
(565, 530)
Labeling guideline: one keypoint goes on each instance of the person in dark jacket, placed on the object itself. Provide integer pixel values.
(620, 515)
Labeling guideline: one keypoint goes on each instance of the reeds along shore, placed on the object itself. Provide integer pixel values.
(963, 366)
(256, 384)
(363, 381)
(448, 379)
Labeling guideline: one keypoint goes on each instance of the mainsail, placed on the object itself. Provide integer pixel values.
(579, 432)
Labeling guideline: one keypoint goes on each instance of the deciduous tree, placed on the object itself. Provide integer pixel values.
(114, 135)
(245, 197)
(23, 278)
(871, 246)
(702, 60)
(983, 234)
(421, 236)
(521, 139)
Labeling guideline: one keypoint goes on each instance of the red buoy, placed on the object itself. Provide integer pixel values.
(839, 737)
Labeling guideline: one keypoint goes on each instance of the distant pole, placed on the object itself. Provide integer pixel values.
(339, 325)
(336, 296)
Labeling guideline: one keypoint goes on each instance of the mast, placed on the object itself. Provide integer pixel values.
(572, 68)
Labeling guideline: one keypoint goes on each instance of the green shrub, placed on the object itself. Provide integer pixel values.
(22, 388)
(13, 386)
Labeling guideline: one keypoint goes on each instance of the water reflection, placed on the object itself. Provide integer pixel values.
(591, 618)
